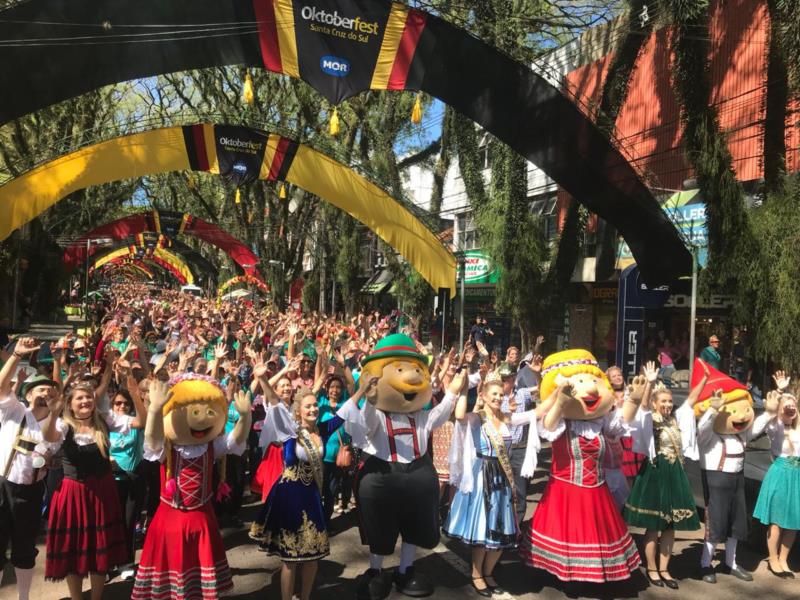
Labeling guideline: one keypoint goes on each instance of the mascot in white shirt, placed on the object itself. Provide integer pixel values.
(397, 488)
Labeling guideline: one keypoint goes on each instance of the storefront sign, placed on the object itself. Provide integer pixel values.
(683, 301)
(479, 267)
(688, 212)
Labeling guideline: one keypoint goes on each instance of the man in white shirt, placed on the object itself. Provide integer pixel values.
(26, 436)
(397, 487)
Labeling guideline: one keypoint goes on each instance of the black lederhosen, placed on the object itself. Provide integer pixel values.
(726, 509)
(20, 518)
(397, 499)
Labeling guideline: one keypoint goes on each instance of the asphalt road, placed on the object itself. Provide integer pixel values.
(256, 575)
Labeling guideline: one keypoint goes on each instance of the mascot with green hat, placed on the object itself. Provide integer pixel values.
(397, 488)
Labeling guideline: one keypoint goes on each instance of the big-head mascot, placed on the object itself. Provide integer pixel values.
(183, 556)
(397, 488)
(577, 532)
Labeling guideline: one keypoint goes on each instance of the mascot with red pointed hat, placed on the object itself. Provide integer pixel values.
(397, 487)
(726, 424)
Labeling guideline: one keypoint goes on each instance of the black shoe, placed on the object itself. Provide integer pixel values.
(670, 583)
(654, 582)
(412, 583)
(707, 574)
(739, 573)
(781, 574)
(485, 592)
(373, 585)
(496, 589)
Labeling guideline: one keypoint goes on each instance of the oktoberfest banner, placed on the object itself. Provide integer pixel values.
(53, 50)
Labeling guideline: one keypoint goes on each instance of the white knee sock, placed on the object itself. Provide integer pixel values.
(375, 561)
(730, 552)
(708, 554)
(24, 579)
(407, 554)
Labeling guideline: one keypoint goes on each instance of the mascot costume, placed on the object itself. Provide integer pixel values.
(577, 532)
(726, 424)
(397, 489)
(183, 556)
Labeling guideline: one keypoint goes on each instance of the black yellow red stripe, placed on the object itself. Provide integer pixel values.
(282, 159)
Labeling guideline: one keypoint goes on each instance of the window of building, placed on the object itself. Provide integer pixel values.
(545, 209)
(467, 232)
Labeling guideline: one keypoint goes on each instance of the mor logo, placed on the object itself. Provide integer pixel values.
(239, 167)
(335, 66)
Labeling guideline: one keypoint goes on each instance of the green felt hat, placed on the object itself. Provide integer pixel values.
(395, 345)
(32, 382)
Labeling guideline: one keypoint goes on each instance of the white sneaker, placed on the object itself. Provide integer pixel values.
(127, 574)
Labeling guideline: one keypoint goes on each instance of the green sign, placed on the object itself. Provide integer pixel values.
(480, 268)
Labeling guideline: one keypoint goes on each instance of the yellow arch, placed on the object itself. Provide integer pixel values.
(163, 150)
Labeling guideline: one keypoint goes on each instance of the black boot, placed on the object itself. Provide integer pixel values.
(373, 585)
(413, 584)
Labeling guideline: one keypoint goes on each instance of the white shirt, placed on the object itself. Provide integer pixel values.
(224, 444)
(369, 429)
(725, 452)
(12, 411)
(116, 422)
(610, 424)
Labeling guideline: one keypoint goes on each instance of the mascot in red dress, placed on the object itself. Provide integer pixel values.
(577, 532)
(183, 556)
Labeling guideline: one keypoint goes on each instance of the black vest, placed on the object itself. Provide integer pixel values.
(81, 462)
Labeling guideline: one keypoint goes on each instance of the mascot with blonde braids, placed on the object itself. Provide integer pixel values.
(577, 532)
(183, 556)
(397, 487)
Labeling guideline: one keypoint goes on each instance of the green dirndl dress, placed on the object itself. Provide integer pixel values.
(779, 499)
(661, 497)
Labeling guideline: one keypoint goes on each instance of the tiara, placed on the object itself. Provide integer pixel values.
(176, 379)
(569, 363)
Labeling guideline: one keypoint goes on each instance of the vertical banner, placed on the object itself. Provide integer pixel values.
(633, 298)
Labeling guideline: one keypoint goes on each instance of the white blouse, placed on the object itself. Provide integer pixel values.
(782, 445)
(611, 424)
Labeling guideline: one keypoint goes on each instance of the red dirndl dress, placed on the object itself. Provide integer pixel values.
(577, 532)
(85, 531)
(183, 556)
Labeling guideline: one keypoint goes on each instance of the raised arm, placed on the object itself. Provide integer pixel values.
(241, 402)
(24, 348)
(563, 395)
(154, 428)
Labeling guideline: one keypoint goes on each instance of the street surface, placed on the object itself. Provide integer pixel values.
(256, 575)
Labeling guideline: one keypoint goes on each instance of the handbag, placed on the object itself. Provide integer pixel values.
(344, 456)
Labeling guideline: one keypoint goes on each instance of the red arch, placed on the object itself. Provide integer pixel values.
(170, 223)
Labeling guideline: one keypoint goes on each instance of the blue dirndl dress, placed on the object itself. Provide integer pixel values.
(485, 516)
(294, 520)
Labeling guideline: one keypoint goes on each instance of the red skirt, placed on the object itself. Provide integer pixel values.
(578, 534)
(183, 557)
(268, 471)
(86, 531)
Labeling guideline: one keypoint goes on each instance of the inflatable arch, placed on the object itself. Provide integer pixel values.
(341, 48)
(237, 153)
(138, 267)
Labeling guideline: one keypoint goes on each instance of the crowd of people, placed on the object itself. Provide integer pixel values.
(172, 409)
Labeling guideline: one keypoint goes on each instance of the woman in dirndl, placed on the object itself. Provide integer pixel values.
(294, 525)
(86, 529)
(778, 504)
(661, 500)
(483, 514)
